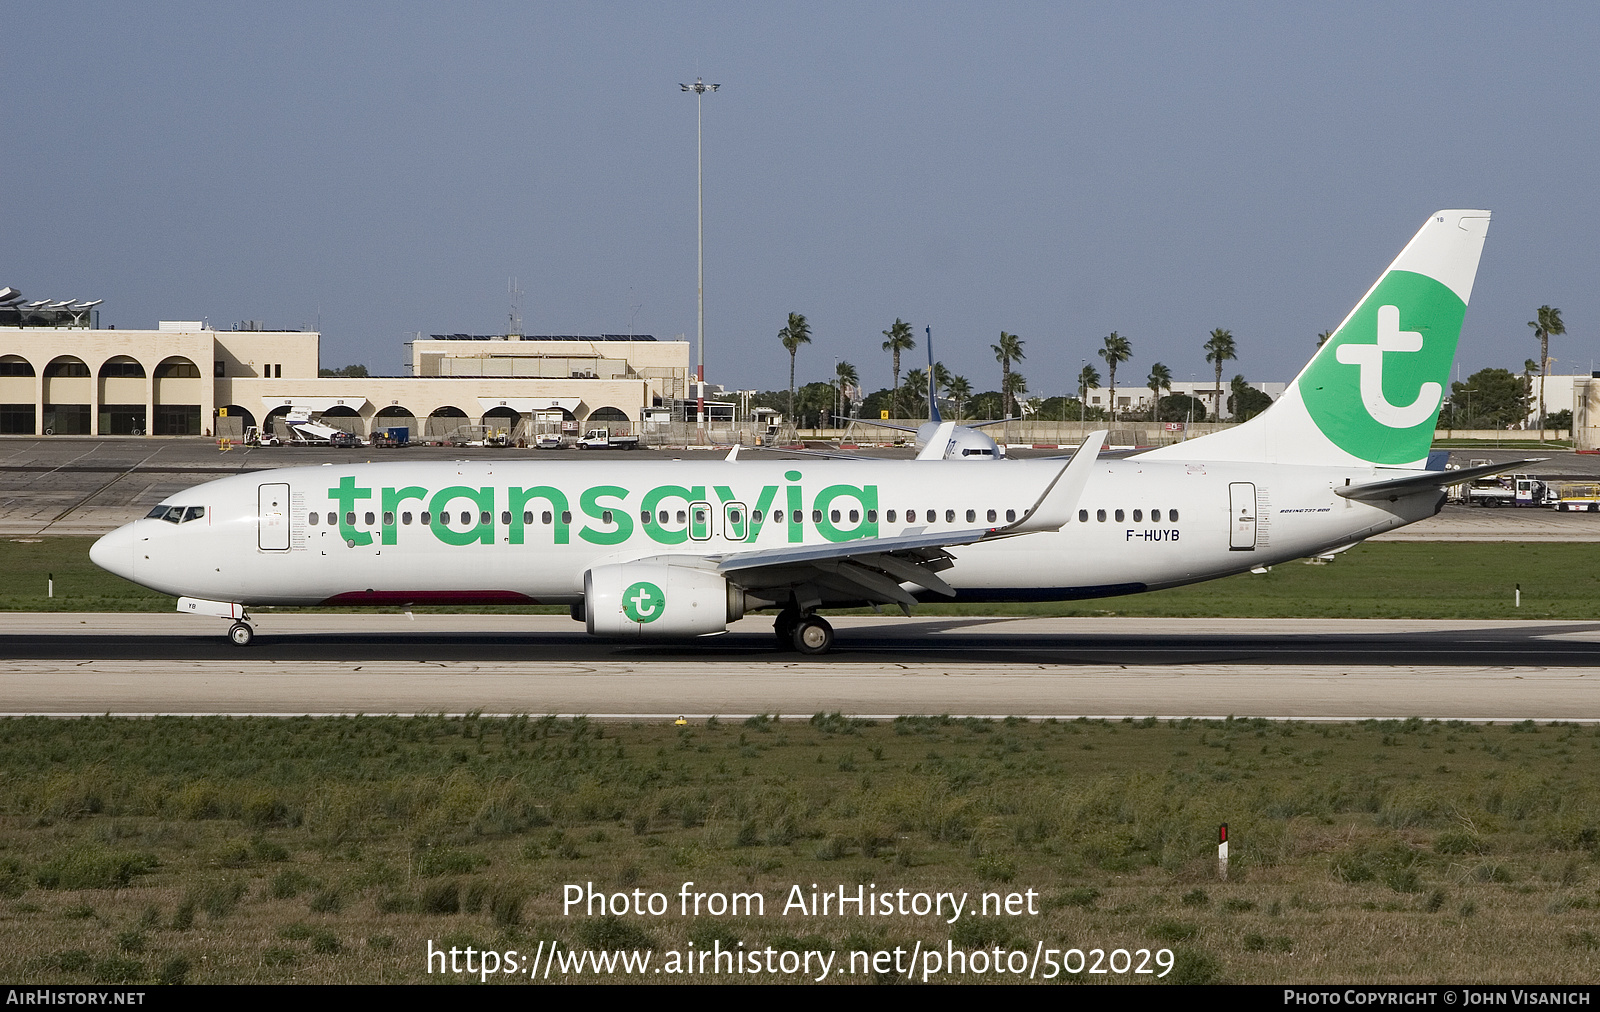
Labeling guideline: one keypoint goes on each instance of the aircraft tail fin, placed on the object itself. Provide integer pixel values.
(1371, 394)
(933, 383)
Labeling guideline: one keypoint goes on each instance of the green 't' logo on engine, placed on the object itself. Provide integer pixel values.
(643, 602)
(1376, 388)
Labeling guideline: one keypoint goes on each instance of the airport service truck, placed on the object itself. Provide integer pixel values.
(604, 439)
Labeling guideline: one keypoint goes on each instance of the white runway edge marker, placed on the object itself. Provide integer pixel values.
(1222, 852)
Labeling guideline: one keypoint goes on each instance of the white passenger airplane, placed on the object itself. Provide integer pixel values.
(660, 549)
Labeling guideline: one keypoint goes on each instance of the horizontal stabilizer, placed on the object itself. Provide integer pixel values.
(1430, 481)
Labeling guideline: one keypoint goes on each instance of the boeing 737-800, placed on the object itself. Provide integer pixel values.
(682, 548)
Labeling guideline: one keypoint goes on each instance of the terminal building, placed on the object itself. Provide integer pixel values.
(60, 374)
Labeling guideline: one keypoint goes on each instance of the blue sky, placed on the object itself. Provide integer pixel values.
(1057, 171)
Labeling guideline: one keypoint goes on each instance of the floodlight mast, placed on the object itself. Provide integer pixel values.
(699, 87)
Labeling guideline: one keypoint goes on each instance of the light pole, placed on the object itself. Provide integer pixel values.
(700, 88)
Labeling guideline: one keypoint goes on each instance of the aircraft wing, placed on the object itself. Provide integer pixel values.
(1428, 481)
(873, 569)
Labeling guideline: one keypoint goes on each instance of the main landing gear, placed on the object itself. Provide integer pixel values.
(808, 634)
(241, 633)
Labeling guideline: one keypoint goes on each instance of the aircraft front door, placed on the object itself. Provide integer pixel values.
(1242, 516)
(273, 510)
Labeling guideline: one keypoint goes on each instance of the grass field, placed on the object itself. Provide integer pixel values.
(1382, 580)
(333, 850)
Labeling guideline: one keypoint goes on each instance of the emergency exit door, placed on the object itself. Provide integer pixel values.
(1242, 510)
(273, 510)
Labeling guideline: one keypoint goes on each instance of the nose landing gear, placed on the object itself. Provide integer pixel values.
(241, 633)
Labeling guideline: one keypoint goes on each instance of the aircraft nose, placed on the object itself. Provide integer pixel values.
(114, 552)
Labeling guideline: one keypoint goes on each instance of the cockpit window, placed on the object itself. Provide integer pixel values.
(176, 514)
(173, 515)
(193, 513)
(156, 513)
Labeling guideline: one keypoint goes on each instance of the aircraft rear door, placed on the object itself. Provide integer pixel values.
(699, 521)
(1242, 516)
(273, 509)
(735, 521)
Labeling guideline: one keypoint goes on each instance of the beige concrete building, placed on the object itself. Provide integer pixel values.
(185, 379)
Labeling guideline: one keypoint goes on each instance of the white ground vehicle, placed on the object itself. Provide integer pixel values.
(602, 439)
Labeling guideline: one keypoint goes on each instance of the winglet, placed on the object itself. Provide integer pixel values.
(938, 443)
(1055, 507)
(733, 454)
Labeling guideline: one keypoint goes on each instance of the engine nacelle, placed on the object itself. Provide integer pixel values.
(654, 599)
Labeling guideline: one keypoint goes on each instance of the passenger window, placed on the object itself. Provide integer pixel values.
(1083, 516)
(872, 516)
(466, 518)
(333, 518)
(1138, 515)
(427, 518)
(194, 513)
(405, 518)
(484, 517)
(444, 517)
(370, 519)
(644, 517)
(991, 516)
(605, 516)
(855, 516)
(350, 519)
(545, 517)
(889, 516)
(666, 517)
(1172, 516)
(833, 516)
(1011, 516)
(756, 516)
(683, 517)
(312, 518)
(566, 516)
(505, 518)
(734, 517)
(388, 518)
(527, 517)
(949, 516)
(1155, 516)
(972, 516)
(1120, 516)
(911, 516)
(816, 516)
(1100, 515)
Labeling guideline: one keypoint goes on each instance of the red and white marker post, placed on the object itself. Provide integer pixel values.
(1222, 852)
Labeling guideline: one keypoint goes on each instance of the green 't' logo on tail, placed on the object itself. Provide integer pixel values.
(1375, 388)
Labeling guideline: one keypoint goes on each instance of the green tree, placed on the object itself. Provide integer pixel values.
(1547, 325)
(1219, 349)
(793, 335)
(845, 376)
(988, 405)
(1489, 399)
(1181, 408)
(1009, 350)
(1322, 338)
(351, 371)
(914, 394)
(1246, 402)
(1088, 379)
(1014, 385)
(960, 391)
(1116, 349)
(1160, 379)
(899, 339)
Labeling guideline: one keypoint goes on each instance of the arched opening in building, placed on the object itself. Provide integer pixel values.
(344, 418)
(443, 421)
(232, 422)
(609, 417)
(275, 423)
(396, 416)
(18, 412)
(68, 386)
(503, 421)
(123, 387)
(178, 394)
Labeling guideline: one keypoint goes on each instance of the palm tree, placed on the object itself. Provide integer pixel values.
(960, 392)
(1014, 385)
(1219, 350)
(1007, 351)
(1088, 379)
(899, 339)
(845, 376)
(1322, 338)
(797, 332)
(1117, 349)
(1160, 379)
(1549, 323)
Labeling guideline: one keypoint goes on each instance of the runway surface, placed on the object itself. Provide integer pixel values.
(380, 663)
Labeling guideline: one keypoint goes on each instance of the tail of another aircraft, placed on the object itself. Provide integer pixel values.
(1371, 394)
